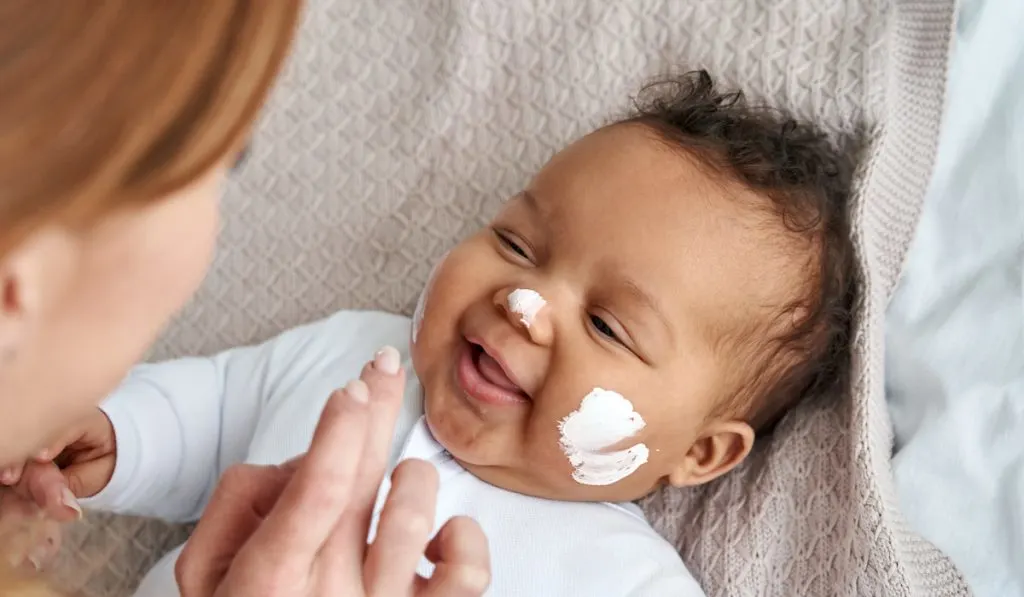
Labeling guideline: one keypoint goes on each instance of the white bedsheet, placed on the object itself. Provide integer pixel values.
(955, 362)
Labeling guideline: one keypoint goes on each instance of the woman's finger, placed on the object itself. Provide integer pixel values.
(462, 561)
(406, 522)
(320, 491)
(243, 498)
(386, 383)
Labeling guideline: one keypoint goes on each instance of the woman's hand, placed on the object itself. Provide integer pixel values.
(300, 529)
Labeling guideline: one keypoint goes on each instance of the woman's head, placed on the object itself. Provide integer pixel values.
(118, 123)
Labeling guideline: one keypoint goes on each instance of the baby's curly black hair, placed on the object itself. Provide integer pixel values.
(803, 349)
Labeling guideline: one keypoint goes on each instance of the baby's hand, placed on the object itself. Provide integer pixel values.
(29, 540)
(43, 492)
(79, 465)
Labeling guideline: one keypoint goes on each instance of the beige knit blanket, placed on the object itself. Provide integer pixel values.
(400, 126)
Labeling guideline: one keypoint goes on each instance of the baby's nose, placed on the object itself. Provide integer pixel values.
(526, 309)
(526, 304)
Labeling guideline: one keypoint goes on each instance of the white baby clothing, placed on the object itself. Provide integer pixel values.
(181, 423)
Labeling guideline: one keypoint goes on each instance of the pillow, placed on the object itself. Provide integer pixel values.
(398, 128)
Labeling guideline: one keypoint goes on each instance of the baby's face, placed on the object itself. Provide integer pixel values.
(639, 257)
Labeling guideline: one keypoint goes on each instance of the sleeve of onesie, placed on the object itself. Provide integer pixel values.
(179, 424)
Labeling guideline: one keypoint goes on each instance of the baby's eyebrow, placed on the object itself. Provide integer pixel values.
(647, 300)
(529, 199)
(538, 212)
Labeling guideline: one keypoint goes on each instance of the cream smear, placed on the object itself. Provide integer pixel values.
(421, 304)
(603, 419)
(526, 304)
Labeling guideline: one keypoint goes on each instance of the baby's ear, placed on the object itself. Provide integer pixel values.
(722, 446)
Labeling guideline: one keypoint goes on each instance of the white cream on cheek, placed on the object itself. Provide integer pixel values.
(526, 303)
(603, 419)
(421, 304)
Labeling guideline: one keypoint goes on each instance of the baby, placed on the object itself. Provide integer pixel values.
(662, 291)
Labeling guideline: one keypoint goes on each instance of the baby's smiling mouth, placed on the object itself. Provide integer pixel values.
(484, 378)
(492, 370)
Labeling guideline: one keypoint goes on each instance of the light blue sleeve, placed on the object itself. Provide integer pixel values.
(180, 424)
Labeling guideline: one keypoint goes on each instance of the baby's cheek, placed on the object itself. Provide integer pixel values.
(599, 435)
(421, 303)
(546, 451)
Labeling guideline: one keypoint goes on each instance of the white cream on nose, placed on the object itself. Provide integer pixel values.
(526, 304)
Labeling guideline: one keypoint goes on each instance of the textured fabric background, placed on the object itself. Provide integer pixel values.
(401, 124)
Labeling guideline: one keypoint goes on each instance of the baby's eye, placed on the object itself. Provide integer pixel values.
(603, 328)
(511, 245)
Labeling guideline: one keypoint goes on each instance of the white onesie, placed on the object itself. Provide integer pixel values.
(181, 423)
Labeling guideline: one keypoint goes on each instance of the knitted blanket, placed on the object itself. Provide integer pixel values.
(401, 124)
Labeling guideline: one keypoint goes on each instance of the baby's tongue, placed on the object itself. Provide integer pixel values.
(493, 372)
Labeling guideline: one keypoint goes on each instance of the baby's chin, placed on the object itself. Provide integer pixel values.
(459, 433)
(482, 455)
(439, 435)
(435, 415)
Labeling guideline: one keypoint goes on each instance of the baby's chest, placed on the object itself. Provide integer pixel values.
(540, 547)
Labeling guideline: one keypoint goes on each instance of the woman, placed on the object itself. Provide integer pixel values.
(119, 121)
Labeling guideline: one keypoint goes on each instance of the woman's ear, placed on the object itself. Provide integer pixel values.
(722, 446)
(33, 276)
